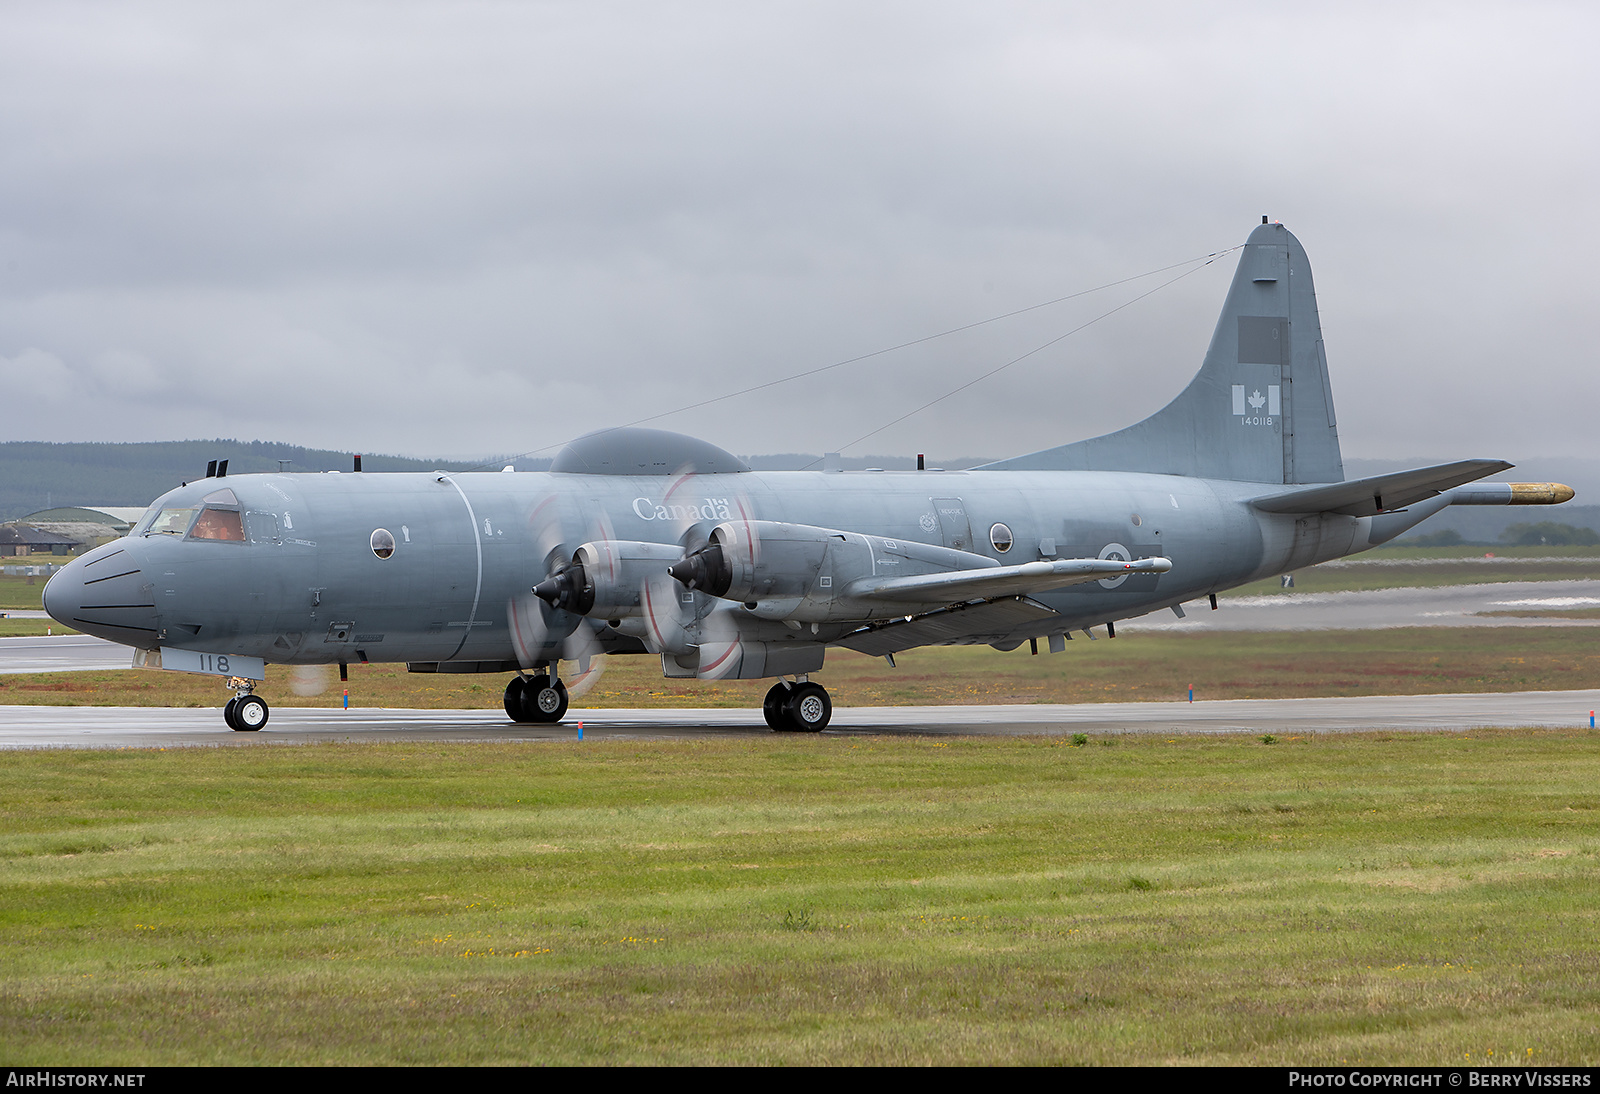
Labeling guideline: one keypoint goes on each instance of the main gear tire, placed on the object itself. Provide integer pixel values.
(809, 708)
(772, 708)
(543, 701)
(513, 700)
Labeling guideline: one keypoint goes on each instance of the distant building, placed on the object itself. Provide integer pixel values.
(86, 526)
(24, 539)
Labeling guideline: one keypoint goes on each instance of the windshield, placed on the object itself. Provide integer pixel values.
(219, 524)
(171, 522)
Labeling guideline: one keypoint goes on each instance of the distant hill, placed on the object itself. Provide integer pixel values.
(38, 475)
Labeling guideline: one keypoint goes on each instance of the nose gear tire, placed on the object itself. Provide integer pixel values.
(250, 713)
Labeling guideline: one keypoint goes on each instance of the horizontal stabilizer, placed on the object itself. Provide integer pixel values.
(1381, 493)
(982, 584)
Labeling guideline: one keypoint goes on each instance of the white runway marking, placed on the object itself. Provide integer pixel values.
(1551, 602)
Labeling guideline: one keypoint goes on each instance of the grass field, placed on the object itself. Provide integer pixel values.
(19, 628)
(18, 591)
(1378, 899)
(1136, 666)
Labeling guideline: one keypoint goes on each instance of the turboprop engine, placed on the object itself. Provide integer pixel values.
(809, 574)
(605, 577)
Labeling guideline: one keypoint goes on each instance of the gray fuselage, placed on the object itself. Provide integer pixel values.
(305, 586)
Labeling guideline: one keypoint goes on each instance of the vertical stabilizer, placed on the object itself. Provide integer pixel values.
(1260, 408)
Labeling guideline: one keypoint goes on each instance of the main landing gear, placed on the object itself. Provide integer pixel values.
(798, 707)
(245, 712)
(536, 699)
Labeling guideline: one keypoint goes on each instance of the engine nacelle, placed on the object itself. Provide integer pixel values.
(801, 572)
(754, 560)
(605, 577)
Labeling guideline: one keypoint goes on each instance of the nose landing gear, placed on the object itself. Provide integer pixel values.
(799, 707)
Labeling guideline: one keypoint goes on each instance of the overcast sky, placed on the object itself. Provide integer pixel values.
(483, 228)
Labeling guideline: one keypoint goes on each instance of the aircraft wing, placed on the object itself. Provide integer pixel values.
(958, 625)
(954, 586)
(1381, 493)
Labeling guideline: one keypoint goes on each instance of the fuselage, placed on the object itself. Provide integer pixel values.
(295, 569)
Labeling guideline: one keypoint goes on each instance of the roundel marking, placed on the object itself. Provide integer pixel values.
(1121, 554)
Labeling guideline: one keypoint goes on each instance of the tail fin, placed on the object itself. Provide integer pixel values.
(1260, 408)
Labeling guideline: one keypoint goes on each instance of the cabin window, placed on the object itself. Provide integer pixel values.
(383, 543)
(224, 524)
(1000, 536)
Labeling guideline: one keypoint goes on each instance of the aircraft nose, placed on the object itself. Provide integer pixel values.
(105, 593)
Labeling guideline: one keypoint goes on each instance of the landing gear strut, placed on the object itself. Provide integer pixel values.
(800, 707)
(536, 699)
(245, 712)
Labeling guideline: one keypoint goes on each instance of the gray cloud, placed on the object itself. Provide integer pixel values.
(475, 228)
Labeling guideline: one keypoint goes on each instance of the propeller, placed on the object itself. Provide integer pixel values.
(667, 620)
(732, 544)
(707, 567)
(602, 575)
(549, 628)
(721, 649)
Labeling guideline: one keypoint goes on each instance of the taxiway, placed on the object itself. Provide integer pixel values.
(159, 727)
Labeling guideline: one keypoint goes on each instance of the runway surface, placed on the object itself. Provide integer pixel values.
(1377, 609)
(62, 653)
(154, 727)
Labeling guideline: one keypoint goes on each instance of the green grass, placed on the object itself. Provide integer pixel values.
(1361, 899)
(1136, 666)
(19, 591)
(24, 628)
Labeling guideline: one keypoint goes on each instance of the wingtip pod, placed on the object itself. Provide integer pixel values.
(1512, 493)
(1541, 493)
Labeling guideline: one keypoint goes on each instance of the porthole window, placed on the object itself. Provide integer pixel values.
(1000, 536)
(1136, 519)
(383, 543)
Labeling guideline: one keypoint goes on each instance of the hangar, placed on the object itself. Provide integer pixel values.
(84, 525)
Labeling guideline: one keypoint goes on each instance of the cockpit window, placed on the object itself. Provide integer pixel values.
(171, 522)
(221, 497)
(219, 524)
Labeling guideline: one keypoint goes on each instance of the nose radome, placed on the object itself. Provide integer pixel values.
(63, 592)
(105, 593)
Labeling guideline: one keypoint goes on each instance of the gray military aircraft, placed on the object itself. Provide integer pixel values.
(642, 541)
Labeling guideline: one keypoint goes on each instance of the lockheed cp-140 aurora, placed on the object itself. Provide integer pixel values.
(639, 541)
